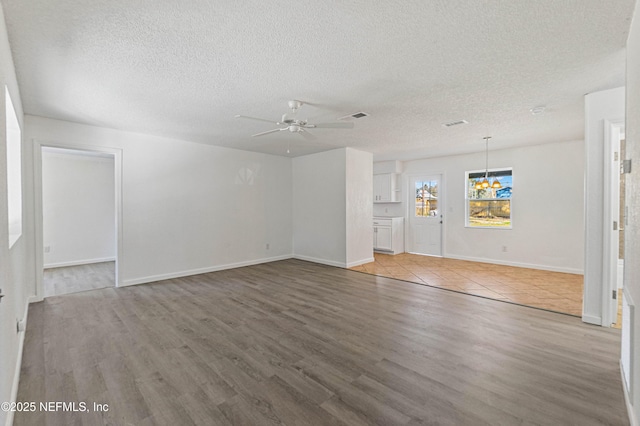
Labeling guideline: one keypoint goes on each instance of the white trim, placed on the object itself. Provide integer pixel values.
(633, 421)
(467, 199)
(504, 228)
(79, 262)
(591, 319)
(37, 202)
(410, 209)
(34, 299)
(428, 255)
(171, 275)
(517, 264)
(14, 168)
(627, 352)
(18, 366)
(322, 261)
(360, 262)
(611, 143)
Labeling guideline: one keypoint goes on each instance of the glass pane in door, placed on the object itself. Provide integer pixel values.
(426, 198)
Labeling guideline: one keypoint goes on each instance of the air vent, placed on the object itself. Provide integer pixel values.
(455, 123)
(354, 115)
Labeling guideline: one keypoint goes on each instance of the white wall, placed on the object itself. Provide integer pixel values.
(332, 207)
(359, 207)
(632, 229)
(319, 206)
(547, 206)
(78, 203)
(599, 106)
(16, 273)
(188, 208)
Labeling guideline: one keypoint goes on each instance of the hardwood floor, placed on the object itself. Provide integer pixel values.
(72, 279)
(554, 291)
(297, 343)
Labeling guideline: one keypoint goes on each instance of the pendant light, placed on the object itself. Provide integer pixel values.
(479, 186)
(496, 183)
(485, 183)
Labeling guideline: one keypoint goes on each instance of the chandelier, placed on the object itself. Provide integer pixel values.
(485, 183)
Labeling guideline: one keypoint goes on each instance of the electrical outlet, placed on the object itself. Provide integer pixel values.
(504, 249)
(386, 210)
(267, 246)
(47, 249)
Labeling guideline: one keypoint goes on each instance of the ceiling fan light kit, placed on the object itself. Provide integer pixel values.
(294, 124)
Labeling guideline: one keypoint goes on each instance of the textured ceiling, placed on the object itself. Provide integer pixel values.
(185, 69)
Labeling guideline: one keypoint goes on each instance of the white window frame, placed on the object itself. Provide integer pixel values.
(467, 199)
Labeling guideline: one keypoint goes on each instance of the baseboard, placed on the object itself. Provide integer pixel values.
(517, 264)
(16, 373)
(633, 420)
(360, 262)
(391, 253)
(160, 277)
(79, 262)
(34, 299)
(322, 261)
(592, 319)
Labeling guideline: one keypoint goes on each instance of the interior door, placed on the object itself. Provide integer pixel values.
(425, 215)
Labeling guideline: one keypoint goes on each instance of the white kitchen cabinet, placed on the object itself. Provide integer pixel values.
(382, 238)
(385, 188)
(388, 234)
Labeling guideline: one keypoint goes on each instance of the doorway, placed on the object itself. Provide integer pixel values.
(78, 216)
(425, 215)
(614, 221)
(622, 217)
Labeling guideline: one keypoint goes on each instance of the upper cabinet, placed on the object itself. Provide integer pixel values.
(385, 188)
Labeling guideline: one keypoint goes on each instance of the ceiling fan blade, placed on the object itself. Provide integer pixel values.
(306, 134)
(332, 126)
(258, 119)
(269, 131)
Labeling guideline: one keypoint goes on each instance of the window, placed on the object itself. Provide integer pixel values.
(489, 207)
(14, 170)
(426, 198)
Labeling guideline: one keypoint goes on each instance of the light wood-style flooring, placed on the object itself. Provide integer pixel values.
(555, 291)
(297, 343)
(72, 279)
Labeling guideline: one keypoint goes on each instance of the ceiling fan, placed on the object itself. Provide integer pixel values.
(296, 125)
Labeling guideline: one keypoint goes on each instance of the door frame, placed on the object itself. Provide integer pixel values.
(613, 129)
(410, 205)
(39, 214)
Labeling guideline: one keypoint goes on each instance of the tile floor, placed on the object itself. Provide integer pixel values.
(554, 291)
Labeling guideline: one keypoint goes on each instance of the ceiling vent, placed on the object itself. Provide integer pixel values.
(455, 123)
(354, 116)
